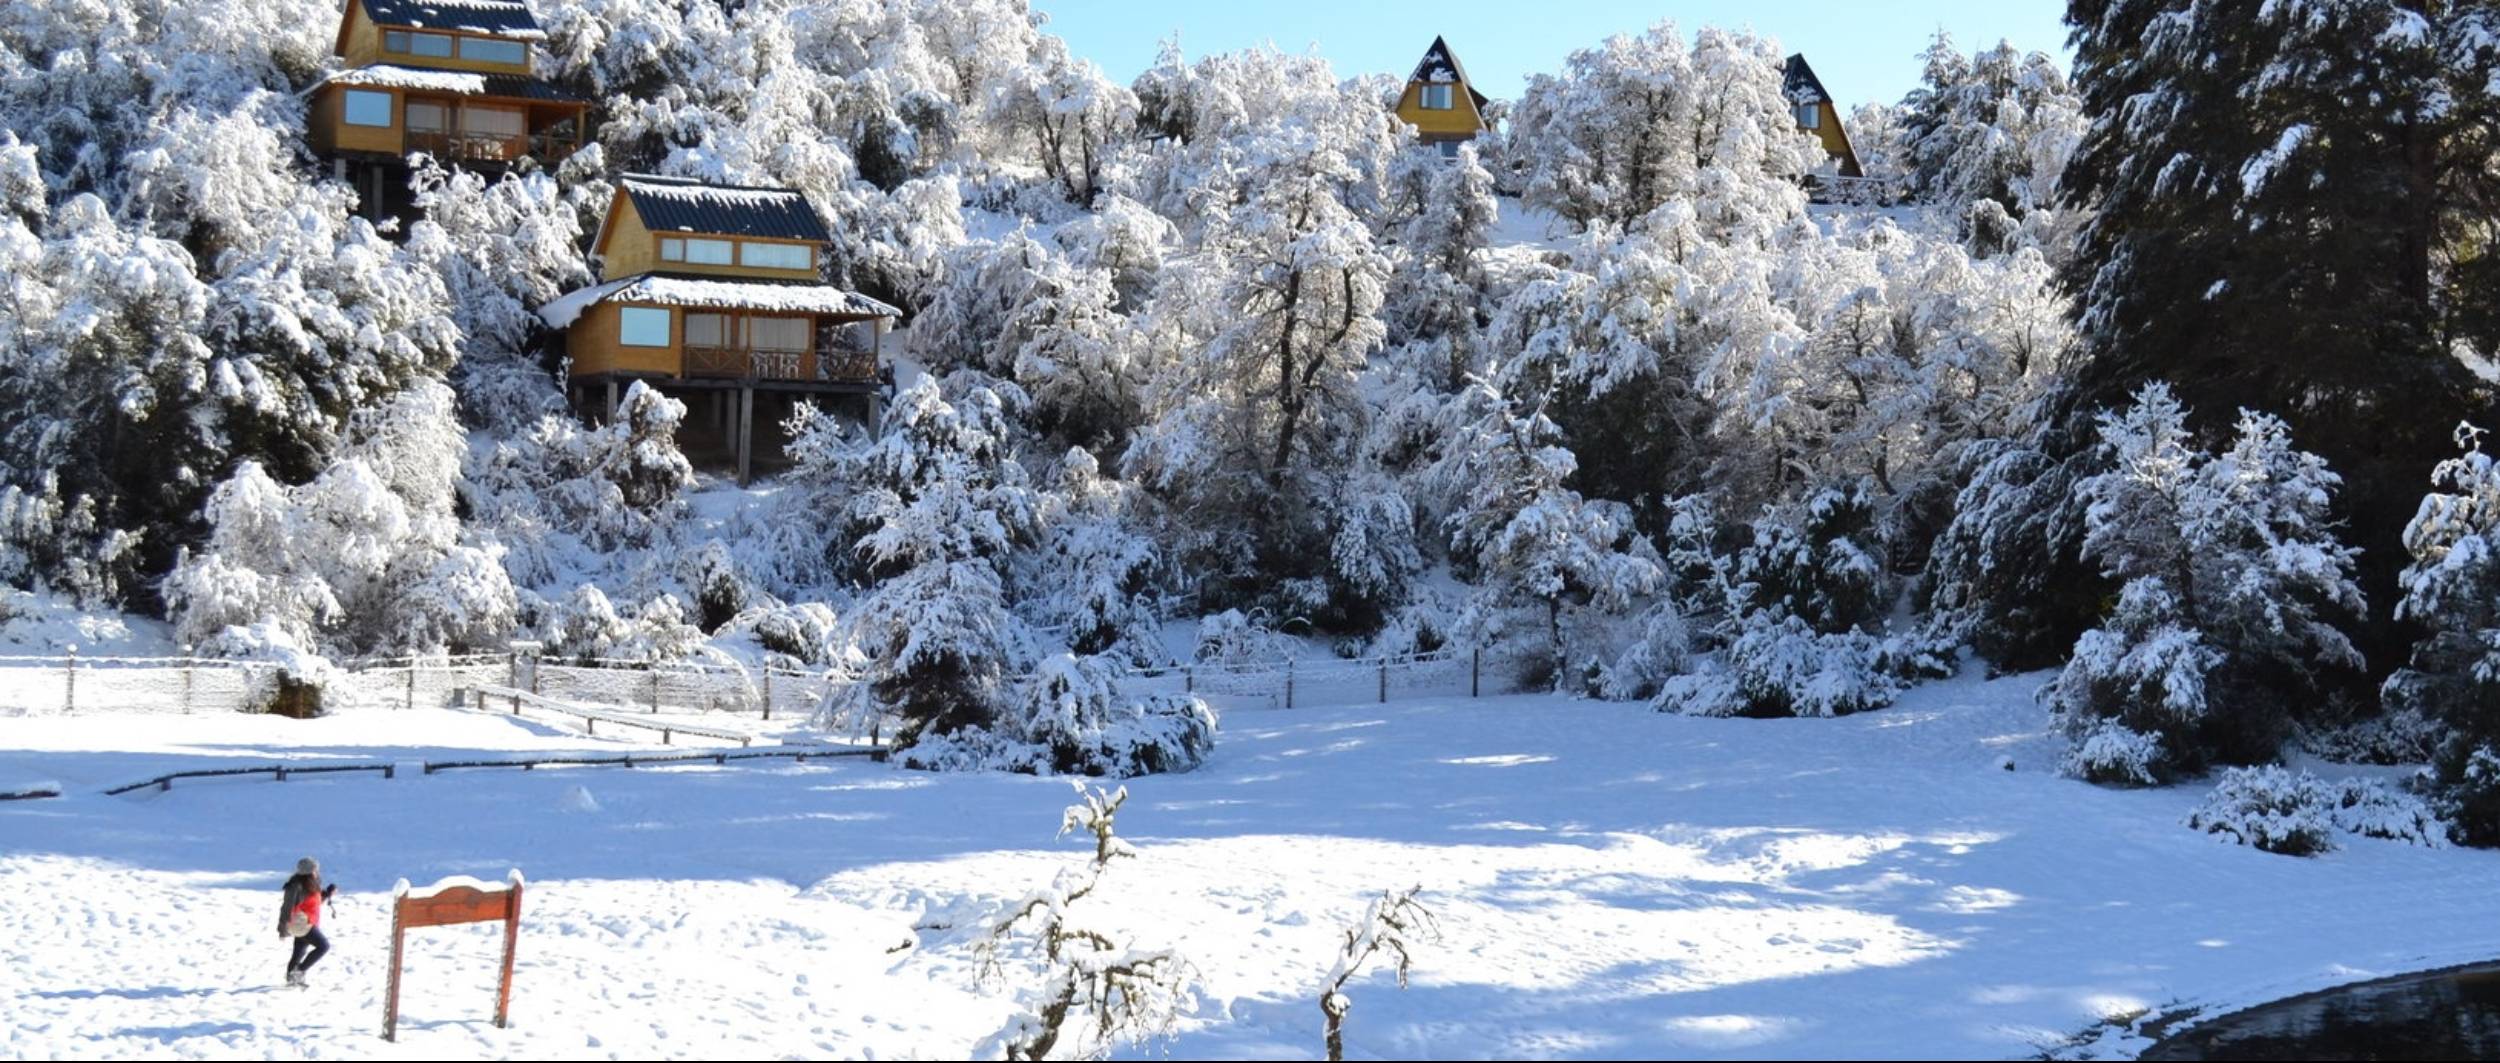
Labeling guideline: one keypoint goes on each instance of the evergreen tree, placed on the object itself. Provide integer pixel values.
(2452, 589)
(2274, 185)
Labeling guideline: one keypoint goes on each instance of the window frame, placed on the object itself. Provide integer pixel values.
(626, 333)
(747, 249)
(1810, 116)
(390, 108)
(462, 45)
(728, 251)
(1447, 93)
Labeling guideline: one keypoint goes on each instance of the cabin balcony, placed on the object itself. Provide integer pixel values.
(824, 365)
(486, 147)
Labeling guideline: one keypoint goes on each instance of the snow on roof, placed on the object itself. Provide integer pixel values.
(725, 295)
(673, 204)
(1801, 84)
(389, 76)
(502, 18)
(1440, 67)
(456, 82)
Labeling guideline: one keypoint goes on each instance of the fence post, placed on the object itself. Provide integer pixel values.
(768, 691)
(1384, 680)
(1288, 682)
(1475, 672)
(69, 685)
(655, 688)
(412, 683)
(186, 680)
(512, 667)
(1189, 680)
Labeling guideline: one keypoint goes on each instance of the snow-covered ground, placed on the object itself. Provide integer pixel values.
(1609, 882)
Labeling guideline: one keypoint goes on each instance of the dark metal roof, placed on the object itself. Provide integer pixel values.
(527, 89)
(505, 17)
(1440, 67)
(1801, 85)
(671, 204)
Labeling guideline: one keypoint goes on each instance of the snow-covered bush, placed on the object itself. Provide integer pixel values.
(1796, 611)
(1092, 572)
(587, 627)
(2231, 578)
(1233, 637)
(2452, 590)
(1070, 718)
(2297, 814)
(1777, 665)
(2270, 808)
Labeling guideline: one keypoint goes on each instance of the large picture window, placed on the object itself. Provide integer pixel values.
(708, 252)
(490, 122)
(486, 50)
(777, 256)
(427, 117)
(368, 108)
(777, 333)
(643, 326)
(707, 330)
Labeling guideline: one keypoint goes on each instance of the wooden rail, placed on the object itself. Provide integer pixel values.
(592, 718)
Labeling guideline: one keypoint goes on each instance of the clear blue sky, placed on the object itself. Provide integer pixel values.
(1864, 51)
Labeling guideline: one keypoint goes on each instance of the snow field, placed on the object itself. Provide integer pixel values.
(1607, 881)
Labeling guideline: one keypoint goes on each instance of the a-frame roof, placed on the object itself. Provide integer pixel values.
(1439, 66)
(1801, 85)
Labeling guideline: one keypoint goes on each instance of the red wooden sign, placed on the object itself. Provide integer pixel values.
(454, 900)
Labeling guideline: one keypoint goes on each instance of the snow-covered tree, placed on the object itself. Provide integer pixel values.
(1642, 121)
(1529, 539)
(2232, 584)
(1253, 434)
(2452, 591)
(367, 557)
(939, 502)
(1093, 570)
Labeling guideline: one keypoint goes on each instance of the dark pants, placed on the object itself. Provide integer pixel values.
(309, 950)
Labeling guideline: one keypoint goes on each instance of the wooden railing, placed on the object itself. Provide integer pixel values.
(744, 363)
(487, 147)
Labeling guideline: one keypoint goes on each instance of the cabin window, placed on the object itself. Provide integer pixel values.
(402, 42)
(707, 330)
(777, 256)
(778, 333)
(708, 252)
(1809, 116)
(368, 108)
(642, 326)
(489, 50)
(490, 122)
(672, 249)
(1436, 97)
(1447, 148)
(427, 117)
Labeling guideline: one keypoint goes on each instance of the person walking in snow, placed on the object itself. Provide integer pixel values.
(299, 919)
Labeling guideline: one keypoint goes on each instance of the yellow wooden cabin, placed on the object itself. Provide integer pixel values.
(716, 291)
(1817, 114)
(1441, 104)
(450, 78)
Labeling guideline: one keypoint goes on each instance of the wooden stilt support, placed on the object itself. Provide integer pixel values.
(746, 433)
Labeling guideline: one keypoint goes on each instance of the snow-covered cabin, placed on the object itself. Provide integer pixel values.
(1817, 114)
(450, 78)
(1441, 104)
(714, 294)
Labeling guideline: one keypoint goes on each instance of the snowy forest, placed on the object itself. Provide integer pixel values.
(2167, 377)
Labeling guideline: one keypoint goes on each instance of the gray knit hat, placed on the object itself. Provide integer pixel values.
(308, 866)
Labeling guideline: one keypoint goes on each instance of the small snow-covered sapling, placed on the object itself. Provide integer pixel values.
(1390, 923)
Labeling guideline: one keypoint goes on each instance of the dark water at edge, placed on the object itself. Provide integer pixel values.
(2445, 1014)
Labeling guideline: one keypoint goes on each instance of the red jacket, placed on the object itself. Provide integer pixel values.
(300, 897)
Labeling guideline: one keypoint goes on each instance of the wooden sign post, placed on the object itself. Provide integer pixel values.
(458, 899)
